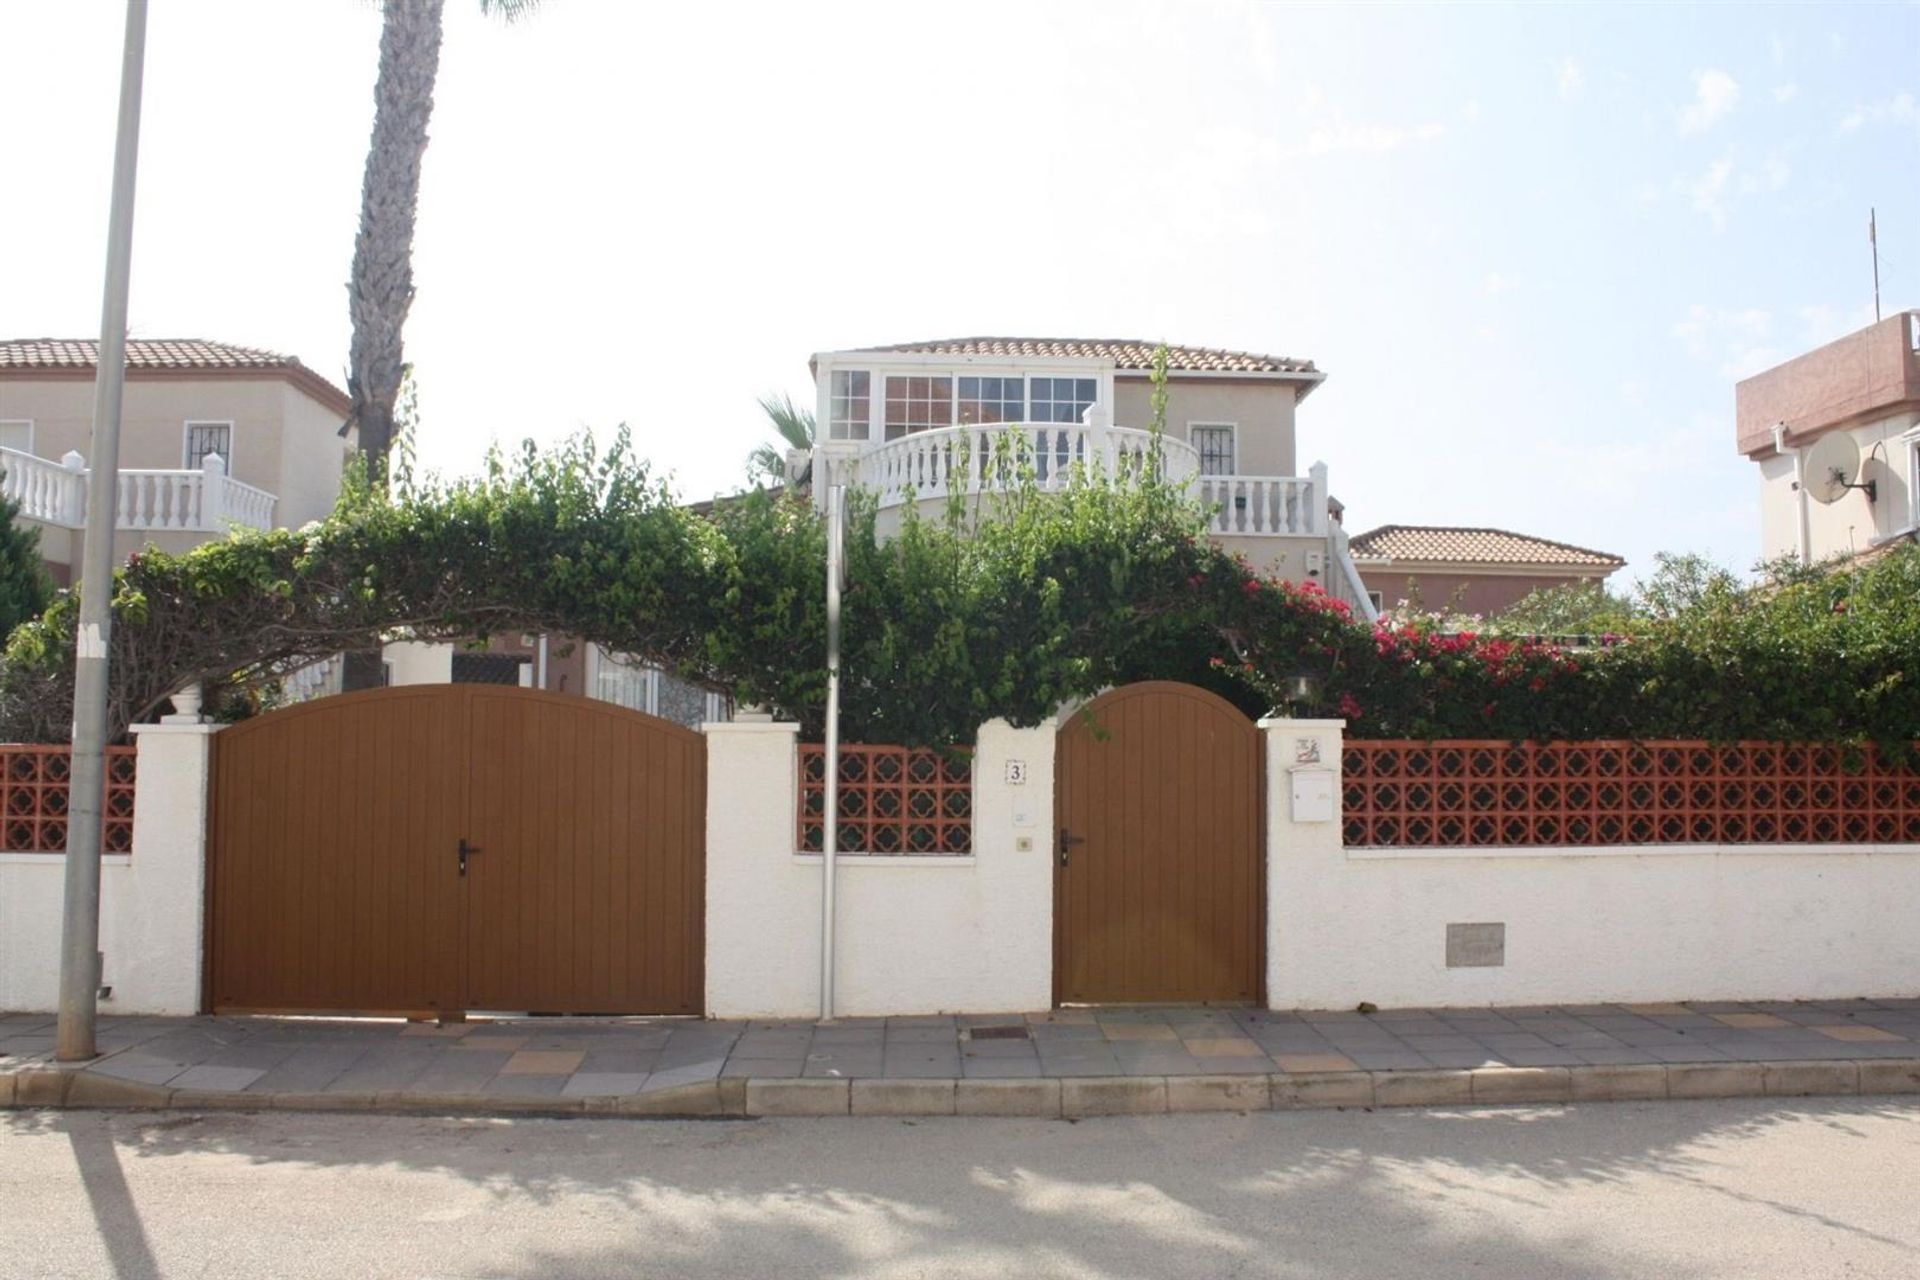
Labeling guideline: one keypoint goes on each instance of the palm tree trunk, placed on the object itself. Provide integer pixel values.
(381, 289)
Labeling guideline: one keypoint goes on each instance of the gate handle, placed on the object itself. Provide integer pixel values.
(466, 851)
(1067, 841)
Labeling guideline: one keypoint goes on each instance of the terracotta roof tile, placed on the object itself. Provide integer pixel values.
(1448, 544)
(74, 355)
(1126, 353)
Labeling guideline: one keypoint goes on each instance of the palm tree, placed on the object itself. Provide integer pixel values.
(380, 291)
(795, 426)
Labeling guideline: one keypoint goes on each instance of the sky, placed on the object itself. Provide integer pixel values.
(1533, 248)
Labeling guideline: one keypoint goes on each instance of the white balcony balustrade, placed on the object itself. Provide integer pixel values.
(999, 456)
(145, 501)
(1266, 505)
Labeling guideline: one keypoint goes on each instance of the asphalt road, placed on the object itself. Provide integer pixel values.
(1787, 1188)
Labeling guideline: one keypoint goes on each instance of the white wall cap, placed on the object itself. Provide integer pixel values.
(1283, 722)
(749, 726)
(202, 729)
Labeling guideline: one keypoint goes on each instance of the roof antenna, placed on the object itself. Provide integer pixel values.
(1873, 240)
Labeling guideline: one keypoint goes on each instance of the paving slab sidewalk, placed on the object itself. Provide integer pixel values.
(1063, 1062)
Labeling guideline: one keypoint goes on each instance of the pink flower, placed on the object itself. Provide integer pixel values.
(1349, 707)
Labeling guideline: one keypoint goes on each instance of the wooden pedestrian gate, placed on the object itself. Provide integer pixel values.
(440, 848)
(1159, 881)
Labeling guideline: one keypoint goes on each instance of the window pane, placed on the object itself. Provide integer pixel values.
(205, 438)
(1215, 446)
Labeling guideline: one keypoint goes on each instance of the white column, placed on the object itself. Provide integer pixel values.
(73, 502)
(213, 494)
(763, 912)
(1316, 513)
(1304, 847)
(152, 914)
(834, 461)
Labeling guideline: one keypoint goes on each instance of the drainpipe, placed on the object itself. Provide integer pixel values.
(540, 663)
(1802, 529)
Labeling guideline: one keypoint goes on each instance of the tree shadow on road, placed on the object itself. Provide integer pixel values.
(1310, 1194)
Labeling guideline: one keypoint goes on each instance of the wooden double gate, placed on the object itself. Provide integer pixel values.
(1160, 878)
(441, 848)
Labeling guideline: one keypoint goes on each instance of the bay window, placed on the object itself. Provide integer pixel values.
(992, 400)
(848, 405)
(1060, 399)
(918, 402)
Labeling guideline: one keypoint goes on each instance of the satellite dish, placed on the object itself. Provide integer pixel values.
(1831, 465)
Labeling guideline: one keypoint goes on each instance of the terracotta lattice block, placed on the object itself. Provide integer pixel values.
(34, 784)
(1487, 794)
(893, 800)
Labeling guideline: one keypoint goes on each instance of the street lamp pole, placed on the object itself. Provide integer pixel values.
(80, 927)
(830, 818)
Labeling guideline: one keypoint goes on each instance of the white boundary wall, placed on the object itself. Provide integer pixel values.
(975, 934)
(914, 934)
(1583, 925)
(151, 903)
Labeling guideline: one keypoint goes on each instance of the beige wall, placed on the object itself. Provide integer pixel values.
(1283, 557)
(1261, 411)
(1852, 523)
(312, 457)
(153, 421)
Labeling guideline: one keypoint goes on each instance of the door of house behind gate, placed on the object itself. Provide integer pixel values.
(1159, 884)
(453, 847)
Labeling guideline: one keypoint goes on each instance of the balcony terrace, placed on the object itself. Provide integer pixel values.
(203, 501)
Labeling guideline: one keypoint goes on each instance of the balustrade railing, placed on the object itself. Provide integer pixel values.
(45, 490)
(975, 459)
(159, 500)
(203, 501)
(1264, 504)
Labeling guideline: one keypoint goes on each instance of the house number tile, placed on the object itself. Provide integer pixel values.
(1016, 773)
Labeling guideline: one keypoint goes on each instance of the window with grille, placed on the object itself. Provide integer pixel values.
(992, 400)
(1215, 445)
(204, 438)
(918, 403)
(1061, 399)
(847, 411)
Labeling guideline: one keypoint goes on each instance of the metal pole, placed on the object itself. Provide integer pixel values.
(80, 929)
(830, 828)
(1873, 242)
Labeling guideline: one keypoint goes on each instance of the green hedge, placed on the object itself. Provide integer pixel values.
(1043, 600)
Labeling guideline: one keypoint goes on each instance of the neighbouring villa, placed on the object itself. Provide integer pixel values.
(1835, 434)
(213, 436)
(895, 420)
(1473, 571)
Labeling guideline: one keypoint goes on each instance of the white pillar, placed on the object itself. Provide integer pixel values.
(1317, 503)
(213, 493)
(834, 462)
(153, 912)
(763, 913)
(73, 491)
(1303, 843)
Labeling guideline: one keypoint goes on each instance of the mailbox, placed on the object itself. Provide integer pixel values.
(1312, 795)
